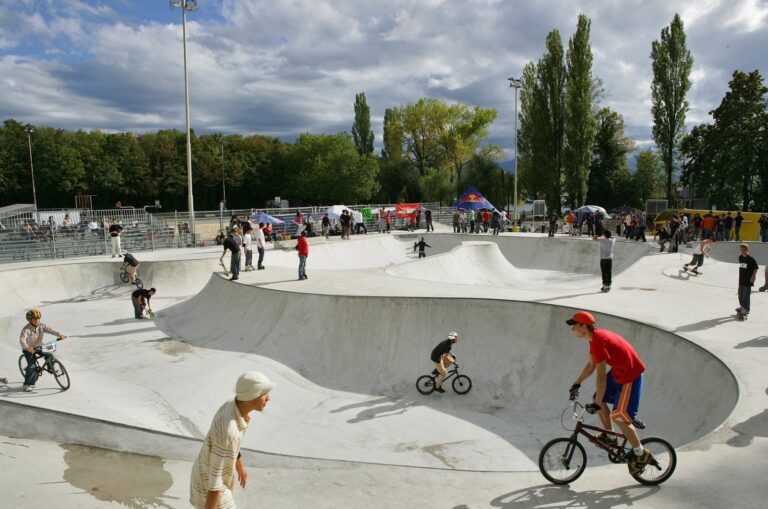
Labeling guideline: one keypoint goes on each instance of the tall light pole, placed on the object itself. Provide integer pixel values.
(517, 84)
(223, 184)
(187, 5)
(29, 131)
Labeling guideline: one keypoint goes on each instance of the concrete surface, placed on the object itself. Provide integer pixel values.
(346, 427)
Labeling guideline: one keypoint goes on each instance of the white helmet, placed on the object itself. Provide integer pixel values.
(453, 335)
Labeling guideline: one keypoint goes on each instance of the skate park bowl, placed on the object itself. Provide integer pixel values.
(346, 366)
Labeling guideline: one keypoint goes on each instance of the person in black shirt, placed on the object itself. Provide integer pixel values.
(326, 224)
(132, 264)
(441, 357)
(421, 245)
(140, 299)
(747, 275)
(231, 243)
(428, 218)
(737, 225)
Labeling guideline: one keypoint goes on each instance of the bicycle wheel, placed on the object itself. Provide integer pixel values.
(562, 460)
(61, 375)
(462, 384)
(124, 277)
(23, 365)
(139, 283)
(662, 463)
(425, 384)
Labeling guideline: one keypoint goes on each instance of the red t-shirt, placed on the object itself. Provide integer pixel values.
(301, 243)
(708, 223)
(618, 354)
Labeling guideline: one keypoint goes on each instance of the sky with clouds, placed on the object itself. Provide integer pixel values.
(286, 67)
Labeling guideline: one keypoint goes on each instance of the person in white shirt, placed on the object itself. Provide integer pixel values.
(260, 245)
(700, 250)
(248, 245)
(606, 259)
(213, 474)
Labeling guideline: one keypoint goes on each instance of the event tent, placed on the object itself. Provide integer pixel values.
(472, 199)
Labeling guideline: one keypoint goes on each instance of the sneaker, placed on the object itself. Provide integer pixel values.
(694, 271)
(3, 380)
(685, 267)
(740, 310)
(440, 390)
(435, 372)
(234, 278)
(607, 439)
(637, 465)
(28, 388)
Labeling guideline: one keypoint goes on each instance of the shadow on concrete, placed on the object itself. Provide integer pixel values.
(561, 297)
(377, 408)
(758, 342)
(120, 321)
(16, 391)
(129, 480)
(755, 426)
(705, 324)
(117, 333)
(105, 292)
(551, 496)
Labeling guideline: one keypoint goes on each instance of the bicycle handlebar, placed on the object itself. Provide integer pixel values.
(39, 348)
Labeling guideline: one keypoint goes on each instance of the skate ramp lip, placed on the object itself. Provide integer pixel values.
(521, 356)
(481, 263)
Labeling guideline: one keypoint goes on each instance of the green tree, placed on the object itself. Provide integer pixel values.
(436, 185)
(330, 170)
(393, 135)
(361, 129)
(648, 180)
(579, 120)
(609, 178)
(672, 63)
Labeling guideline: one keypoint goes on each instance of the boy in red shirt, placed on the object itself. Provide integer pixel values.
(303, 248)
(622, 386)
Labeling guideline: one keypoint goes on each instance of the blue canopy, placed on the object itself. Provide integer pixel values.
(472, 199)
(266, 218)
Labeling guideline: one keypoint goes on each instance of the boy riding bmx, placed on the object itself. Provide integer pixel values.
(622, 386)
(31, 337)
(441, 357)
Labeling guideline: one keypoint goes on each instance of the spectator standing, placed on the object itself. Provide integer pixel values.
(552, 223)
(428, 218)
(213, 473)
(260, 246)
(115, 232)
(708, 225)
(728, 227)
(606, 259)
(763, 222)
(455, 221)
(697, 220)
(737, 225)
(472, 220)
(303, 248)
(747, 274)
(232, 244)
(326, 225)
(248, 246)
(462, 221)
(486, 220)
(388, 220)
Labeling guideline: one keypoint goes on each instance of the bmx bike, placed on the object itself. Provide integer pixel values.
(51, 365)
(426, 384)
(563, 460)
(125, 277)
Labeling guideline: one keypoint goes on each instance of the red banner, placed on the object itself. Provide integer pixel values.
(406, 209)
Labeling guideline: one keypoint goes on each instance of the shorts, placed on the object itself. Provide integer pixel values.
(625, 398)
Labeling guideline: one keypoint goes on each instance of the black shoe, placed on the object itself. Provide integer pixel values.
(261, 268)
(440, 390)
(234, 278)
(435, 372)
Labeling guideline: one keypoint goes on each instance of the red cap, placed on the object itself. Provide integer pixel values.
(582, 317)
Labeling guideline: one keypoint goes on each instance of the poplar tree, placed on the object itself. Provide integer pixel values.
(579, 120)
(361, 129)
(672, 63)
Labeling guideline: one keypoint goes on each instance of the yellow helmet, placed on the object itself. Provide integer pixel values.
(34, 314)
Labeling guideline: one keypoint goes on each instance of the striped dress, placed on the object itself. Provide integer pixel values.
(214, 469)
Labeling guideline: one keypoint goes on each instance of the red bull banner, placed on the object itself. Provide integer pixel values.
(472, 199)
(406, 209)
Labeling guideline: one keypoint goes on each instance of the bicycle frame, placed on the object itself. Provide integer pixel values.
(616, 453)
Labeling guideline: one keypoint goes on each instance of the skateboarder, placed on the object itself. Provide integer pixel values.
(747, 275)
(421, 245)
(701, 250)
(233, 245)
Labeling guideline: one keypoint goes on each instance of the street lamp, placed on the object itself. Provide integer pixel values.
(223, 184)
(29, 131)
(187, 5)
(517, 84)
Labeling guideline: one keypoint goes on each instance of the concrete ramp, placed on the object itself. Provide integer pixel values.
(347, 368)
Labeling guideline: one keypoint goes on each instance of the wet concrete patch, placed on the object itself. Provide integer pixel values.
(131, 480)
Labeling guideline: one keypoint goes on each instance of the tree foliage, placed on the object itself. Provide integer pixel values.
(672, 63)
(728, 160)
(579, 121)
(610, 183)
(362, 134)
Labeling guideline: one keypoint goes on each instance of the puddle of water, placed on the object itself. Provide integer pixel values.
(131, 480)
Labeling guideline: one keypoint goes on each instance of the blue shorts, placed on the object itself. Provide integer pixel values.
(625, 398)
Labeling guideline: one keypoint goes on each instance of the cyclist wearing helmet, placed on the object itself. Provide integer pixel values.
(131, 264)
(441, 357)
(32, 337)
(622, 386)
